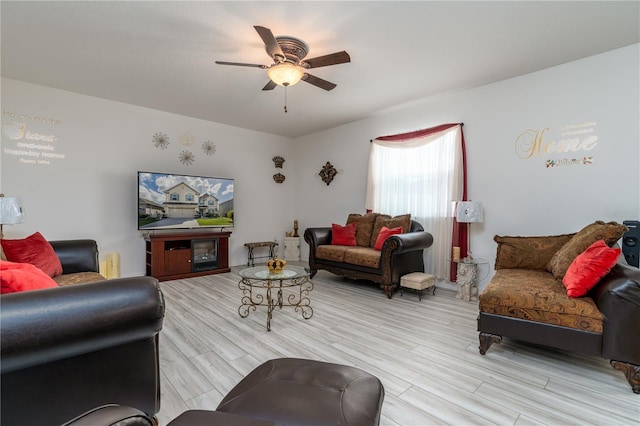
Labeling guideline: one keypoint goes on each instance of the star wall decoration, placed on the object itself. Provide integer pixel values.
(187, 158)
(209, 147)
(161, 140)
(187, 139)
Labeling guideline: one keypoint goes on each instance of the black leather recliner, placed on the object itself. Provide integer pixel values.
(66, 350)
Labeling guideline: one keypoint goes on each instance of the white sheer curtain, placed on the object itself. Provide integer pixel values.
(422, 176)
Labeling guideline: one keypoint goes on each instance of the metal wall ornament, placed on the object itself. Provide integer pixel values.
(279, 177)
(187, 158)
(209, 147)
(187, 139)
(327, 173)
(160, 140)
(278, 160)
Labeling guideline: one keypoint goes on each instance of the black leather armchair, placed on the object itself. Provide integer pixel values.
(66, 350)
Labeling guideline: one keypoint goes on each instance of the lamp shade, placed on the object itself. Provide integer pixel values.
(11, 211)
(469, 211)
(285, 74)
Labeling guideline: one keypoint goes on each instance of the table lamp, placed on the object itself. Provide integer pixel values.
(11, 212)
(469, 212)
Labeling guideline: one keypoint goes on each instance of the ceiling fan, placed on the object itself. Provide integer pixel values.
(289, 63)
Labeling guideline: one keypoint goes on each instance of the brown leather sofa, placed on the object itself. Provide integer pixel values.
(401, 254)
(524, 301)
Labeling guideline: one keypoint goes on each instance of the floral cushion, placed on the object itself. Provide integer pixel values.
(538, 296)
(78, 278)
(331, 252)
(528, 252)
(609, 232)
(363, 256)
(364, 227)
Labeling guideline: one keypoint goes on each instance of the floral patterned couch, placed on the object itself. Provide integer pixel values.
(527, 298)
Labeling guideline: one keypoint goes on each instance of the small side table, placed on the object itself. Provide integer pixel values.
(292, 248)
(250, 257)
(467, 278)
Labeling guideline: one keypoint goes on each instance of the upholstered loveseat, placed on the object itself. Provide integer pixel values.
(397, 255)
(526, 299)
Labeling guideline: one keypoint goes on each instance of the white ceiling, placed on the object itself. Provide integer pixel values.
(161, 54)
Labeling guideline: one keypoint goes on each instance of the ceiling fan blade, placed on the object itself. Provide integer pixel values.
(270, 86)
(242, 64)
(326, 60)
(273, 48)
(317, 81)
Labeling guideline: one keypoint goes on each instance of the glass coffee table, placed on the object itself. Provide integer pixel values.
(290, 287)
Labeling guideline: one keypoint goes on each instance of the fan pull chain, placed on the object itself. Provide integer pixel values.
(285, 99)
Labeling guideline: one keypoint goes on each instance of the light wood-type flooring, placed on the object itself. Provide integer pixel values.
(425, 353)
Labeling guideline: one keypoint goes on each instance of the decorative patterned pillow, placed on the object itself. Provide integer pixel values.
(609, 232)
(528, 252)
(364, 227)
(343, 235)
(34, 249)
(589, 267)
(403, 221)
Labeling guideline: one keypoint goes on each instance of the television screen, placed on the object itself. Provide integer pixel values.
(171, 201)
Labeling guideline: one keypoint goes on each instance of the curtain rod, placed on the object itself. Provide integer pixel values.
(371, 140)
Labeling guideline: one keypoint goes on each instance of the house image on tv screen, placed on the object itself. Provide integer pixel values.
(208, 206)
(181, 201)
(172, 201)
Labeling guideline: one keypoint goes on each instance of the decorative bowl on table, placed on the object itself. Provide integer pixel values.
(276, 265)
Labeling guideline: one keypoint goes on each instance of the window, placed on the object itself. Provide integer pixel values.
(189, 197)
(175, 197)
(422, 175)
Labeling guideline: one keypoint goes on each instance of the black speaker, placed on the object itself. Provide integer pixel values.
(631, 243)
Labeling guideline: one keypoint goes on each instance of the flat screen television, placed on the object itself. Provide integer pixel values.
(173, 201)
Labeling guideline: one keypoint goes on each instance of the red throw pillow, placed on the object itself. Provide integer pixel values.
(36, 250)
(589, 267)
(384, 234)
(343, 235)
(23, 277)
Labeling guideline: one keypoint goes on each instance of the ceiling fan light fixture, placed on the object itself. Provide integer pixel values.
(285, 74)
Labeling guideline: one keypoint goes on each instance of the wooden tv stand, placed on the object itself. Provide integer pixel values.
(174, 256)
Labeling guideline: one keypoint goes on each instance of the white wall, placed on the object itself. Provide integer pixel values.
(520, 196)
(92, 192)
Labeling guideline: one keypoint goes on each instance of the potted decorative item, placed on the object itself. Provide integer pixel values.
(276, 265)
